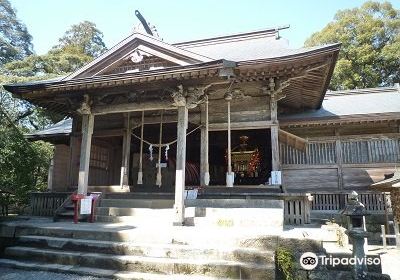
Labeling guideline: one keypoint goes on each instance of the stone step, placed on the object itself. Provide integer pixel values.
(139, 195)
(149, 250)
(137, 203)
(150, 233)
(214, 268)
(98, 272)
(142, 212)
(135, 220)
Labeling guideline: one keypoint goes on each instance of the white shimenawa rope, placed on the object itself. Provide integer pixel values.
(160, 145)
(163, 144)
(140, 173)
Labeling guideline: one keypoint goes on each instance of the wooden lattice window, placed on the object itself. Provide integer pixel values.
(99, 157)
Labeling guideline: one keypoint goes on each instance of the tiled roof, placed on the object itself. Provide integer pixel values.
(63, 127)
(354, 102)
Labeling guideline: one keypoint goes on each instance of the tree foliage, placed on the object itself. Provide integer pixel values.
(24, 165)
(85, 37)
(15, 40)
(77, 47)
(370, 52)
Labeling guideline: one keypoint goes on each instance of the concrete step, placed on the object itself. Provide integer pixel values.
(98, 272)
(253, 255)
(214, 268)
(137, 203)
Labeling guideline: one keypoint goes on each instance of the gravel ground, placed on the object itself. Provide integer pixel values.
(17, 274)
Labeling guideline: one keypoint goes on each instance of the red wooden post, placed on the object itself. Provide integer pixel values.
(75, 199)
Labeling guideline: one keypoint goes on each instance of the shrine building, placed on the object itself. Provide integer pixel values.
(237, 111)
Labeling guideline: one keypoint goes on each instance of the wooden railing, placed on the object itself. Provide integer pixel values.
(374, 202)
(296, 209)
(353, 149)
(45, 203)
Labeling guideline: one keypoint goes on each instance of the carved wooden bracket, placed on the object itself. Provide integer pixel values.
(189, 97)
(84, 109)
(275, 88)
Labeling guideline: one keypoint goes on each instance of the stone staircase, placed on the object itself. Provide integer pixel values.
(202, 212)
(135, 239)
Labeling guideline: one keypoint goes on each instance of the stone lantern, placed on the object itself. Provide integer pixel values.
(355, 210)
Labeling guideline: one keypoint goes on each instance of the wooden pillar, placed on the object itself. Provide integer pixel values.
(229, 173)
(204, 165)
(179, 205)
(274, 133)
(87, 131)
(140, 172)
(339, 159)
(126, 151)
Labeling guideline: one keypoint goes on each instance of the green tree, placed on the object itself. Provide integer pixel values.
(370, 37)
(77, 47)
(15, 40)
(23, 165)
(86, 37)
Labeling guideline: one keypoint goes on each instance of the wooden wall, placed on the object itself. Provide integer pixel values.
(340, 163)
(60, 167)
(105, 164)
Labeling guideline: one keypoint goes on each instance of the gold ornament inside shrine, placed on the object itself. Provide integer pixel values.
(245, 159)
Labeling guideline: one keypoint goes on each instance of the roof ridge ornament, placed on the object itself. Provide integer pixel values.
(145, 26)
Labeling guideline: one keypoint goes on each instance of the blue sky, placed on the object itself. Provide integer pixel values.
(178, 20)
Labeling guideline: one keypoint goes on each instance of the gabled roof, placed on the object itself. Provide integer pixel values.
(138, 41)
(255, 56)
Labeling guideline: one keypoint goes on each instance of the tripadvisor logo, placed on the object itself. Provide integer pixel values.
(309, 260)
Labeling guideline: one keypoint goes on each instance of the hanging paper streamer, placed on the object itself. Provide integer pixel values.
(151, 152)
(140, 178)
(166, 152)
(158, 179)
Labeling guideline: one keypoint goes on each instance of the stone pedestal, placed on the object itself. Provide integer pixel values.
(357, 237)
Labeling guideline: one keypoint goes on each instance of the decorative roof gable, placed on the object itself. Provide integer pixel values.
(138, 52)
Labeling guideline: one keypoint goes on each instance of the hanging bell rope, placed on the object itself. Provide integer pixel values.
(140, 172)
(158, 178)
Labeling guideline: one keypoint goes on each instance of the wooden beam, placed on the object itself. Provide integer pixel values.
(179, 205)
(132, 107)
(87, 131)
(240, 125)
